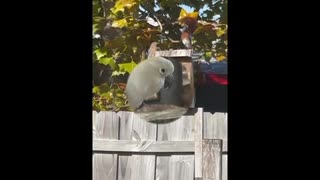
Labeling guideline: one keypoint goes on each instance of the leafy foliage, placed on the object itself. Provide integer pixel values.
(124, 29)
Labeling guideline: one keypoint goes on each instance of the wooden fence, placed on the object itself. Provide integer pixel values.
(126, 147)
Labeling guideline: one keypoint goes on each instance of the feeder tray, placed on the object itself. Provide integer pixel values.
(160, 113)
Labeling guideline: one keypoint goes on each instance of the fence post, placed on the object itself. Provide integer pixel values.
(212, 159)
(198, 137)
(208, 152)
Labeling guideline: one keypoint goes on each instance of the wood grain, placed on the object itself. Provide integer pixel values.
(176, 167)
(216, 127)
(105, 126)
(212, 159)
(136, 167)
(198, 136)
(126, 147)
(143, 146)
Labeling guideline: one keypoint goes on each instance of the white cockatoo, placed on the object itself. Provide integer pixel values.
(147, 79)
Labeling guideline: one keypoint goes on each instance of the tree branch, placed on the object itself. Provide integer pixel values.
(103, 8)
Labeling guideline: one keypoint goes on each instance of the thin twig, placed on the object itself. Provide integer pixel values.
(104, 8)
(173, 41)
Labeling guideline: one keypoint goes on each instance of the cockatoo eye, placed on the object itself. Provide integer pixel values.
(162, 70)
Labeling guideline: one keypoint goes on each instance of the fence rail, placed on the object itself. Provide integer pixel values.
(127, 147)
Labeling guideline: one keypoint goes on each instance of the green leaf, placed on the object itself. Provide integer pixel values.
(102, 89)
(96, 28)
(98, 24)
(127, 67)
(101, 52)
(208, 54)
(119, 103)
(98, 19)
(108, 61)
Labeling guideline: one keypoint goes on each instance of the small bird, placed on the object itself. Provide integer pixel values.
(147, 79)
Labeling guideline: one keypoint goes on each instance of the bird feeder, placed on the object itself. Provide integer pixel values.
(183, 92)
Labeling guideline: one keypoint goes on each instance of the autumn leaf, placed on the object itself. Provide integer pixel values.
(183, 13)
(220, 57)
(193, 15)
(220, 31)
(120, 23)
(189, 19)
(185, 18)
(121, 4)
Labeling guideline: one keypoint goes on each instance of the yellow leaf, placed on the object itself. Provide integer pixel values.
(120, 23)
(220, 32)
(220, 57)
(183, 13)
(189, 19)
(121, 4)
(193, 15)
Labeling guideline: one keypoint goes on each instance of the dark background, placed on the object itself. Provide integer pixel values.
(47, 82)
(212, 97)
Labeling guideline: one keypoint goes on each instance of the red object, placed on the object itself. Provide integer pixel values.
(221, 79)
